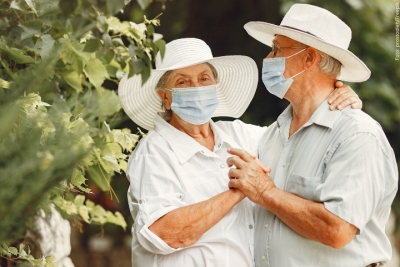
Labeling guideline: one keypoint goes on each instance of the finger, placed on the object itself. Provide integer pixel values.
(234, 183)
(263, 167)
(335, 94)
(349, 101)
(244, 155)
(236, 161)
(338, 100)
(234, 173)
(339, 84)
(358, 104)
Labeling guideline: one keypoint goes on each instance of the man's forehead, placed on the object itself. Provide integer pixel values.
(283, 40)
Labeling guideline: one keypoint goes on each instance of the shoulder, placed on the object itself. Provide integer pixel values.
(151, 144)
(355, 121)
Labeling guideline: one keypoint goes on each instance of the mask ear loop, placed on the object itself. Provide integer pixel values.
(297, 53)
(292, 56)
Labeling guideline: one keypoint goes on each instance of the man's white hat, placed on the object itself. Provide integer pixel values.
(318, 28)
(237, 81)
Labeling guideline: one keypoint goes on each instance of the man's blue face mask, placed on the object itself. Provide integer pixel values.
(272, 75)
(195, 105)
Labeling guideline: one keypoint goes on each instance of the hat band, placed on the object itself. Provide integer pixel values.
(293, 28)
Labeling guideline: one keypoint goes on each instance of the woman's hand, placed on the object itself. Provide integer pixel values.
(344, 96)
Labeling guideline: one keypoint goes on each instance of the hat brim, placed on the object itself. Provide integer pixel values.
(353, 69)
(237, 83)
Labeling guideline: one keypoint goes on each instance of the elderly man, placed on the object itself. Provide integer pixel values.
(334, 175)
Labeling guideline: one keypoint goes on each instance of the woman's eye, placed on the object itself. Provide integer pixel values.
(181, 82)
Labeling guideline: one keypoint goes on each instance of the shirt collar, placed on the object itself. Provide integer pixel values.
(184, 146)
(322, 116)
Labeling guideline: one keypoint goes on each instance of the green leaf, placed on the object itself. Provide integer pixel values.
(116, 219)
(74, 80)
(4, 84)
(143, 3)
(68, 6)
(79, 200)
(75, 56)
(45, 45)
(50, 261)
(77, 178)
(145, 74)
(100, 177)
(161, 46)
(13, 250)
(96, 72)
(115, 6)
(22, 252)
(15, 5)
(108, 102)
(83, 211)
(112, 163)
(150, 29)
(92, 45)
(136, 66)
(16, 55)
(31, 28)
(31, 5)
(125, 139)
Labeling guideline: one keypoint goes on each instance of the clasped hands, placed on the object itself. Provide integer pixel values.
(250, 176)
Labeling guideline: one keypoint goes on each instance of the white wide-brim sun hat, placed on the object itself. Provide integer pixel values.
(237, 81)
(318, 28)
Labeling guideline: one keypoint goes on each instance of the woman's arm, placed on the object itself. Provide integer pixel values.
(184, 226)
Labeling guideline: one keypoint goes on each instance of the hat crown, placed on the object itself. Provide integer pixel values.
(318, 22)
(183, 52)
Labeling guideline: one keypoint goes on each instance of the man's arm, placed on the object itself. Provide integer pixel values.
(308, 218)
(184, 226)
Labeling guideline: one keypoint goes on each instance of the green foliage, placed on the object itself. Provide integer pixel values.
(24, 255)
(61, 62)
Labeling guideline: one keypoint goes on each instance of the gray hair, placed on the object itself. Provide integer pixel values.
(329, 65)
(167, 114)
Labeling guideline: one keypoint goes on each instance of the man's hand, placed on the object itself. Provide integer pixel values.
(344, 96)
(249, 176)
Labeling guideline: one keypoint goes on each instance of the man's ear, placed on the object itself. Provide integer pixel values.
(164, 98)
(312, 58)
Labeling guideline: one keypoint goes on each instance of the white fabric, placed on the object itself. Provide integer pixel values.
(168, 170)
(318, 28)
(237, 81)
(339, 158)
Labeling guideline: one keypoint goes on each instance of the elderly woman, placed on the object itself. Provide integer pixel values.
(184, 212)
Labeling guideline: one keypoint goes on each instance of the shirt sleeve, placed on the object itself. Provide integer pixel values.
(245, 135)
(154, 191)
(355, 179)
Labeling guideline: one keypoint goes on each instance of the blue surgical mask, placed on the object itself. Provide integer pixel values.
(272, 75)
(195, 105)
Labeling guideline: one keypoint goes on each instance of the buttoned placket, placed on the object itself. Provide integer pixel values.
(280, 180)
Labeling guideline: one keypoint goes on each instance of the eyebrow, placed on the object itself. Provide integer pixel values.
(186, 75)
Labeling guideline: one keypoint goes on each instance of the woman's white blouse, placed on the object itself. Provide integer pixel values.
(167, 170)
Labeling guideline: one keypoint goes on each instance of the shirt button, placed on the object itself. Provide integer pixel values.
(140, 201)
(219, 145)
(222, 166)
(251, 226)
(263, 257)
(283, 165)
(202, 151)
(266, 226)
